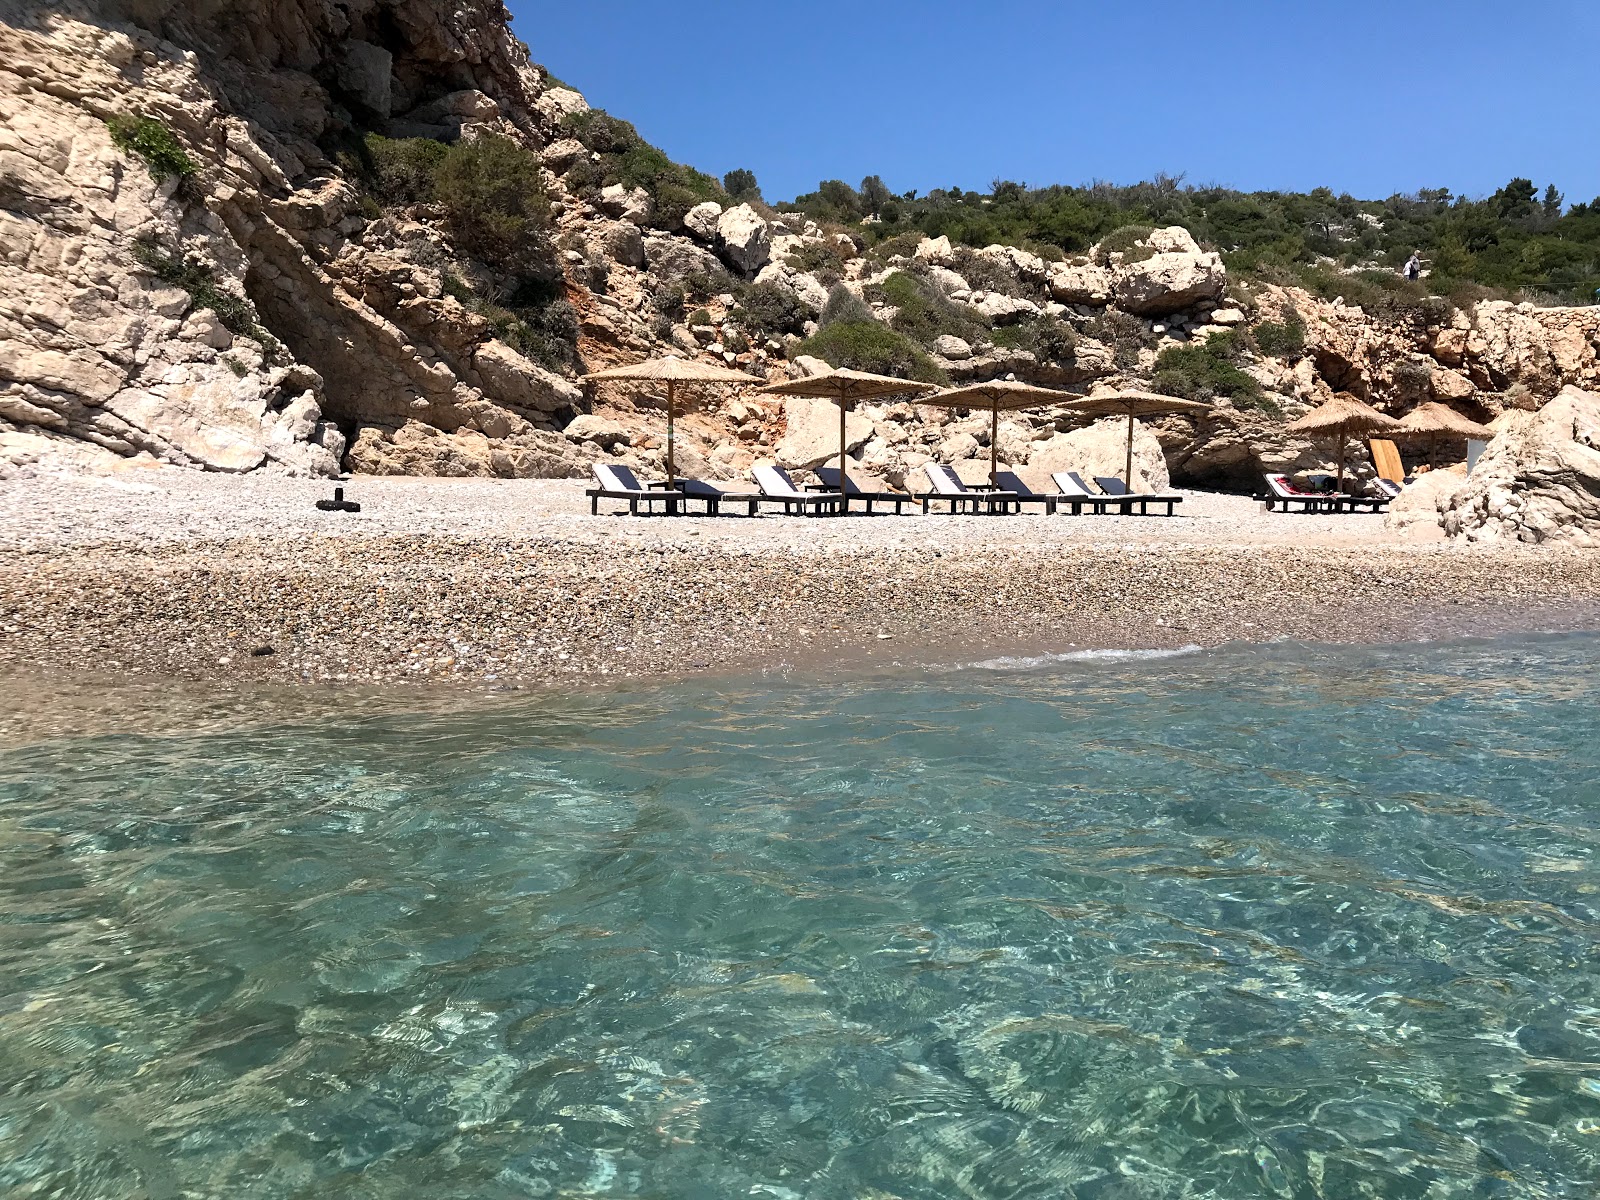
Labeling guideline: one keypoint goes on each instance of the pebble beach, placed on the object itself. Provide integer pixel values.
(514, 583)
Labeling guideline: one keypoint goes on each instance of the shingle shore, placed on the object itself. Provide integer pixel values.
(507, 585)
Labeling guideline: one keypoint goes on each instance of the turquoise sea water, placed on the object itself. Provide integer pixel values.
(1257, 922)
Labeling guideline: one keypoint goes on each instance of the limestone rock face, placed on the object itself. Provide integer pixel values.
(1539, 480)
(1178, 276)
(418, 449)
(1100, 449)
(811, 434)
(746, 238)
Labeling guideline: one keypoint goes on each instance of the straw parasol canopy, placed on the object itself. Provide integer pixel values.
(1439, 422)
(1003, 394)
(1339, 418)
(672, 371)
(845, 388)
(1135, 404)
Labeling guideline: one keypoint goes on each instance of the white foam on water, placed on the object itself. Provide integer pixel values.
(1034, 661)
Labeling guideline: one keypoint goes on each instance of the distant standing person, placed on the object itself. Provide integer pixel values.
(1413, 266)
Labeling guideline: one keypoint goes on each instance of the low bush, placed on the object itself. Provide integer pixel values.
(985, 274)
(1049, 340)
(535, 320)
(1207, 371)
(628, 159)
(1123, 334)
(146, 137)
(769, 310)
(872, 346)
(1126, 242)
(844, 306)
(495, 204)
(824, 260)
(1282, 339)
(923, 313)
(401, 170)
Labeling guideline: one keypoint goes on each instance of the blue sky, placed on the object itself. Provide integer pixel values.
(1371, 97)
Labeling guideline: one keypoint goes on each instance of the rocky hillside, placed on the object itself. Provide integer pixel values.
(376, 237)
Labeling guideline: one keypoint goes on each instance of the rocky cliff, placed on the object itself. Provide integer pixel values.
(238, 297)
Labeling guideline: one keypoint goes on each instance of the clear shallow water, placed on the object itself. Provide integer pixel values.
(1279, 922)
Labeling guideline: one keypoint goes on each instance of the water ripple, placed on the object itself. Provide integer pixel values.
(1273, 922)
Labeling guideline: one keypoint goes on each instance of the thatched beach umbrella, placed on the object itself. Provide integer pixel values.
(672, 371)
(845, 388)
(1005, 394)
(1339, 418)
(1438, 422)
(1135, 404)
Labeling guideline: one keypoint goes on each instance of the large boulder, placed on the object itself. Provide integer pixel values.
(1539, 480)
(746, 238)
(1177, 276)
(1088, 283)
(811, 436)
(631, 204)
(1415, 512)
(701, 220)
(1100, 449)
(673, 259)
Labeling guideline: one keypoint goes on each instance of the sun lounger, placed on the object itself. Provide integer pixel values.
(1012, 482)
(949, 487)
(1388, 487)
(1080, 495)
(1115, 488)
(831, 476)
(778, 488)
(1280, 492)
(617, 482)
(715, 497)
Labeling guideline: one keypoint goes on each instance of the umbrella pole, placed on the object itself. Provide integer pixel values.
(670, 402)
(994, 447)
(1127, 474)
(843, 493)
(1339, 486)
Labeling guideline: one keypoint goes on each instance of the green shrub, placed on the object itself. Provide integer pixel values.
(844, 306)
(495, 204)
(825, 260)
(1124, 334)
(735, 341)
(985, 274)
(923, 313)
(1125, 241)
(699, 317)
(872, 346)
(901, 245)
(163, 155)
(1282, 339)
(1046, 338)
(769, 310)
(403, 170)
(706, 284)
(236, 314)
(628, 159)
(535, 320)
(1207, 371)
